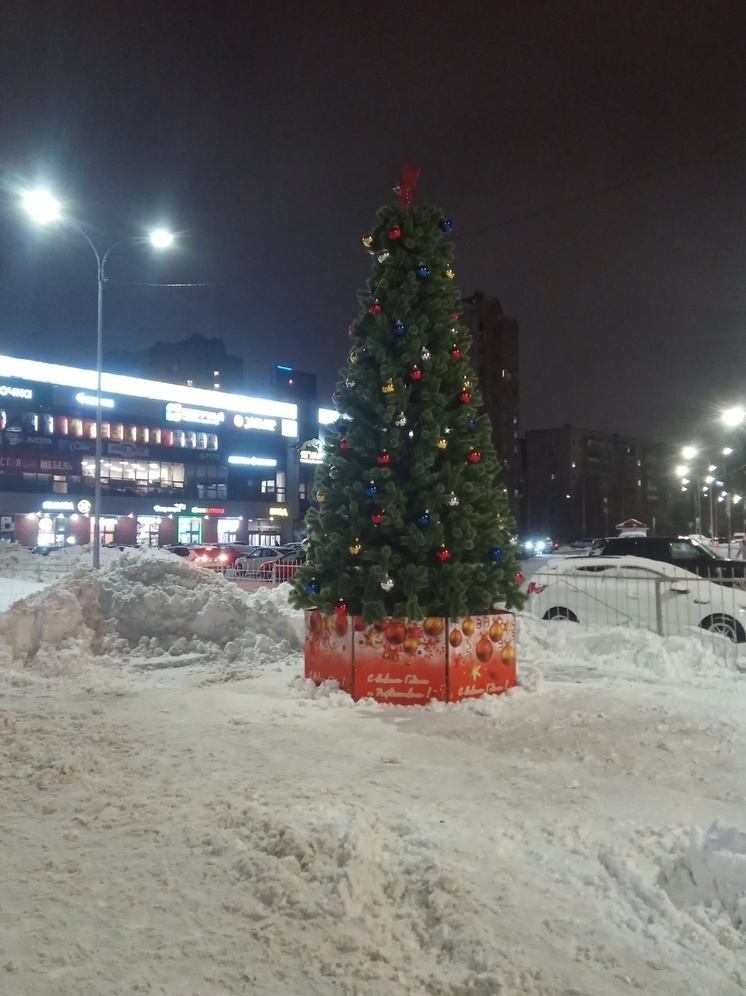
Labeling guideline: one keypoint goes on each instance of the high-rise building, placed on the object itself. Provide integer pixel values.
(193, 362)
(496, 360)
(581, 483)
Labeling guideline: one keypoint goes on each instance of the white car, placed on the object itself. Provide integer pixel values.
(618, 591)
(248, 565)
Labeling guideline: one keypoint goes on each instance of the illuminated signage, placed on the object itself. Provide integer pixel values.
(84, 506)
(199, 510)
(91, 399)
(254, 422)
(176, 412)
(58, 506)
(252, 461)
(6, 391)
(310, 451)
(178, 507)
(138, 387)
(279, 512)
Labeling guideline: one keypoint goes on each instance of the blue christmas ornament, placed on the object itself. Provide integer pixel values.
(422, 271)
(399, 328)
(423, 519)
(371, 490)
(446, 225)
(471, 424)
(312, 587)
(496, 553)
(365, 353)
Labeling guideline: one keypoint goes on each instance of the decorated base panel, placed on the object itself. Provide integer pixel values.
(400, 661)
(481, 655)
(329, 648)
(409, 663)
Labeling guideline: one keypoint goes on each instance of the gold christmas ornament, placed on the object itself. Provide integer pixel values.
(450, 274)
(320, 497)
(367, 241)
(442, 443)
(355, 547)
(388, 386)
(467, 385)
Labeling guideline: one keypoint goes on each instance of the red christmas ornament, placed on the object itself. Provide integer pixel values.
(443, 553)
(340, 609)
(473, 456)
(395, 232)
(383, 457)
(376, 517)
(464, 397)
(344, 444)
(415, 373)
(454, 316)
(352, 330)
(455, 352)
(374, 308)
(407, 183)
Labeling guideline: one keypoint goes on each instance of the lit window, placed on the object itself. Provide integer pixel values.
(190, 383)
(216, 386)
(216, 373)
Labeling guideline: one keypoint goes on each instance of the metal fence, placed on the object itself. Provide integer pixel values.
(714, 610)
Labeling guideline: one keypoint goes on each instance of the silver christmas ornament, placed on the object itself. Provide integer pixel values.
(401, 420)
(425, 355)
(383, 255)
(453, 500)
(387, 585)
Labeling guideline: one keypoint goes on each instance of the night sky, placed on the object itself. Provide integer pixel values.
(591, 155)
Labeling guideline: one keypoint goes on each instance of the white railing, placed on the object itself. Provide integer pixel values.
(685, 604)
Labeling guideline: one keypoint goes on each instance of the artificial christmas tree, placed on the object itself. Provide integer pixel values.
(412, 524)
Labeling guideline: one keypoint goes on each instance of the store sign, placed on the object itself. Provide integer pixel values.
(201, 510)
(84, 506)
(23, 393)
(254, 422)
(252, 461)
(179, 506)
(76, 446)
(91, 399)
(176, 412)
(14, 462)
(58, 506)
(279, 512)
(127, 450)
(310, 451)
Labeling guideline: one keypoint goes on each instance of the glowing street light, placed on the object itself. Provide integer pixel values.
(733, 416)
(44, 208)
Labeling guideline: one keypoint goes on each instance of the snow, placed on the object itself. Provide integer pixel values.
(183, 813)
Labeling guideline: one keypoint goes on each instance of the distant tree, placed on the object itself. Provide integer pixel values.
(411, 518)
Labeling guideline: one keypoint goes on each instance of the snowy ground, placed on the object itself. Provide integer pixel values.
(183, 814)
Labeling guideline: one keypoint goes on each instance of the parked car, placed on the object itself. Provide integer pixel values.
(248, 564)
(284, 567)
(214, 556)
(635, 591)
(682, 552)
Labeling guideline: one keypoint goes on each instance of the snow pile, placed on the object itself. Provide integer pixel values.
(149, 606)
(18, 561)
(709, 869)
(627, 651)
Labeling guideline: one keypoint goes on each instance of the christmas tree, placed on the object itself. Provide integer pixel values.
(411, 519)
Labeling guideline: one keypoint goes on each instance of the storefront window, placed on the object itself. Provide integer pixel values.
(227, 530)
(148, 527)
(189, 530)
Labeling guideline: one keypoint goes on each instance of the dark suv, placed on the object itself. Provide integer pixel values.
(679, 551)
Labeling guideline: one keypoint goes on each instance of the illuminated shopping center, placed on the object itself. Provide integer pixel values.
(178, 464)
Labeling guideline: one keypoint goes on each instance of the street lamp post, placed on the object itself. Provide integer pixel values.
(44, 208)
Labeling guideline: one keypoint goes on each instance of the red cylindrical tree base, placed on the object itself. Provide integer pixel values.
(410, 663)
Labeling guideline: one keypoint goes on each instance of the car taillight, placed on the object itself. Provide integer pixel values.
(223, 557)
(199, 557)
